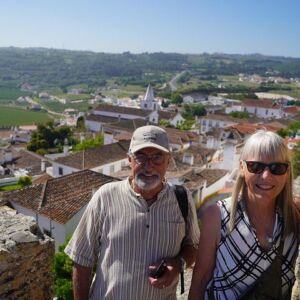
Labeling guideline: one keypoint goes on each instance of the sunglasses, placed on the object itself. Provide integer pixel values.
(257, 167)
(156, 159)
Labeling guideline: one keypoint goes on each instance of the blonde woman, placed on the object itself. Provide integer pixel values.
(255, 231)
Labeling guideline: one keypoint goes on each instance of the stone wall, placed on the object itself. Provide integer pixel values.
(26, 258)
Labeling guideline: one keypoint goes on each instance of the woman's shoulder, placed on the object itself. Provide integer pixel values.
(225, 205)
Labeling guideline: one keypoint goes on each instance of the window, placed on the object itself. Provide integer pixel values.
(60, 171)
(145, 105)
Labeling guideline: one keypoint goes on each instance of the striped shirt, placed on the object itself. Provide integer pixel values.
(240, 260)
(123, 236)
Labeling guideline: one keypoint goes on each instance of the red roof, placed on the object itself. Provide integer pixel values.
(59, 198)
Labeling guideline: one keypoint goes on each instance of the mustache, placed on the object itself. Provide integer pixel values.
(145, 173)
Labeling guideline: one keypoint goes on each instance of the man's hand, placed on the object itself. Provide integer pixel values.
(169, 276)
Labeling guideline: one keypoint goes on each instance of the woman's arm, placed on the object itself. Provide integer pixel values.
(210, 235)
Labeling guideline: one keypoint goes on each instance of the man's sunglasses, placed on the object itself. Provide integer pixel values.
(156, 159)
(257, 167)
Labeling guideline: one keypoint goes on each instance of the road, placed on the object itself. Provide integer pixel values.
(172, 82)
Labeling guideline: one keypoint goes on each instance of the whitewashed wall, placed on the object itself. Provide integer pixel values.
(58, 231)
(66, 170)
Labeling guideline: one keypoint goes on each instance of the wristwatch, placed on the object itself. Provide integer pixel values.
(182, 263)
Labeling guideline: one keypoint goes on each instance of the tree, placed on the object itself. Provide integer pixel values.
(176, 98)
(24, 181)
(185, 125)
(47, 137)
(294, 126)
(89, 143)
(80, 123)
(283, 132)
(165, 123)
(192, 110)
(239, 114)
(292, 129)
(296, 161)
(63, 274)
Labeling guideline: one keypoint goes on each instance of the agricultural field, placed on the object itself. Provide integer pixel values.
(7, 93)
(131, 91)
(10, 116)
(59, 107)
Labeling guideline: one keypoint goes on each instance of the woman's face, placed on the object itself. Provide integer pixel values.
(265, 185)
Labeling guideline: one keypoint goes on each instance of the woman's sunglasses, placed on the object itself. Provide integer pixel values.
(257, 167)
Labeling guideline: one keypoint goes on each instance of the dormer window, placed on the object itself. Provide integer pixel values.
(188, 158)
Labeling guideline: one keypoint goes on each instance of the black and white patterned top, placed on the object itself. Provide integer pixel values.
(240, 260)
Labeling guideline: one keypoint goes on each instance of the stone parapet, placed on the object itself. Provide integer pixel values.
(26, 257)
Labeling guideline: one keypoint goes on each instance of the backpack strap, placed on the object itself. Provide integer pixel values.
(182, 199)
(181, 196)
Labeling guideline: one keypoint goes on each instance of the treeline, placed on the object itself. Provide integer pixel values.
(64, 68)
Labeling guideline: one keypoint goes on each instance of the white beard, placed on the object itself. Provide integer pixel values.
(147, 185)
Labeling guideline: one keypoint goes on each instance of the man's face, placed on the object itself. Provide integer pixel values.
(149, 166)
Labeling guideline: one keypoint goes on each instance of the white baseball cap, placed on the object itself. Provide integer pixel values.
(149, 136)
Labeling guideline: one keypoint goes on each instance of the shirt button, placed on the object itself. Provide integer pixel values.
(147, 226)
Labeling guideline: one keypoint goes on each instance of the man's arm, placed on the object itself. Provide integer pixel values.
(81, 282)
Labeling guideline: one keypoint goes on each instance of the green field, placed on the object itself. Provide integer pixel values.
(16, 116)
(11, 93)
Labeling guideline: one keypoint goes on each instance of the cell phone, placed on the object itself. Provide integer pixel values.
(160, 270)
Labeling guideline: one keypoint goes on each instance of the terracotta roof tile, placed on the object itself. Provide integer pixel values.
(128, 125)
(247, 128)
(59, 198)
(167, 115)
(264, 103)
(91, 158)
(101, 119)
(123, 110)
(24, 159)
(194, 179)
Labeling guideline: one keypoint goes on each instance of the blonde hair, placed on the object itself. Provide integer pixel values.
(268, 144)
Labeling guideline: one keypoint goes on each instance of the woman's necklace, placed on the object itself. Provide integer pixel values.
(263, 234)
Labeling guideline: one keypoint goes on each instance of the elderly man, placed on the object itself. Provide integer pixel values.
(130, 226)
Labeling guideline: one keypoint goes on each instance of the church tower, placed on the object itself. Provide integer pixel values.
(149, 103)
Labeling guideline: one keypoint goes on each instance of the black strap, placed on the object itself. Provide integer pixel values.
(181, 196)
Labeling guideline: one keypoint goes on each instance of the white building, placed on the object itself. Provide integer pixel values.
(260, 108)
(58, 204)
(105, 159)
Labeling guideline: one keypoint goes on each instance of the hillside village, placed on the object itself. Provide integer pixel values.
(205, 159)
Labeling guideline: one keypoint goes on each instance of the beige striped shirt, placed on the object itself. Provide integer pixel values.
(123, 235)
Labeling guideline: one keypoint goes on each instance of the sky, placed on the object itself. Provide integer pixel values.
(270, 27)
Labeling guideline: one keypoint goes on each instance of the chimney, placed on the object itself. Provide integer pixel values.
(66, 146)
(43, 165)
